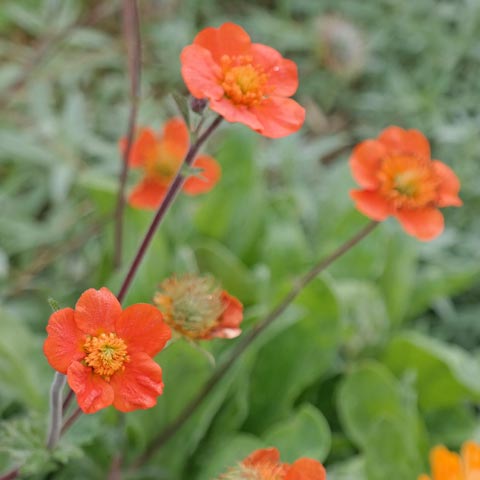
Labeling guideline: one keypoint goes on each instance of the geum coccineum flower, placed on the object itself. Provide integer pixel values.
(159, 157)
(197, 308)
(244, 82)
(264, 464)
(399, 178)
(106, 352)
(447, 465)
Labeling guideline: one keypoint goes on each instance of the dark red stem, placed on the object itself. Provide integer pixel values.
(162, 210)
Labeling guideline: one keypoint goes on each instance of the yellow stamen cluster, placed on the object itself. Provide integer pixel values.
(407, 181)
(105, 354)
(243, 82)
(191, 305)
(162, 165)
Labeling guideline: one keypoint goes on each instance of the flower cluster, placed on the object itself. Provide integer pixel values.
(447, 465)
(160, 157)
(106, 352)
(265, 464)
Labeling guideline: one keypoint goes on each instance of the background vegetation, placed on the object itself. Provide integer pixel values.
(377, 360)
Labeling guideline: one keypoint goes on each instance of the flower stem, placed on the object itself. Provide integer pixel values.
(68, 400)
(131, 27)
(56, 411)
(70, 420)
(171, 429)
(162, 210)
(11, 474)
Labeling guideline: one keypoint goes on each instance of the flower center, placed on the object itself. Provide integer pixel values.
(409, 182)
(162, 165)
(243, 82)
(106, 354)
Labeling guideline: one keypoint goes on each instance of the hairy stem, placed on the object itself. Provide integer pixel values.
(171, 429)
(56, 410)
(162, 210)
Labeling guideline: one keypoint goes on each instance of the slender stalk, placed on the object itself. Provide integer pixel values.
(68, 400)
(11, 474)
(131, 27)
(70, 420)
(56, 411)
(162, 210)
(245, 342)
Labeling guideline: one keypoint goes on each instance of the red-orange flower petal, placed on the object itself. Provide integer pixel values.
(372, 204)
(200, 72)
(278, 116)
(93, 392)
(149, 193)
(206, 179)
(97, 311)
(236, 113)
(365, 162)
(306, 469)
(400, 141)
(65, 340)
(142, 328)
(449, 186)
(229, 39)
(176, 137)
(425, 224)
(263, 455)
(230, 320)
(142, 146)
(282, 73)
(139, 385)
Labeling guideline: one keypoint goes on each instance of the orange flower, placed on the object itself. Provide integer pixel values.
(160, 158)
(245, 82)
(399, 178)
(448, 465)
(264, 464)
(107, 353)
(196, 308)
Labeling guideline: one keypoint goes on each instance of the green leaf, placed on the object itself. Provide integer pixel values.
(214, 258)
(398, 278)
(304, 434)
(365, 318)
(445, 374)
(392, 452)
(296, 356)
(368, 394)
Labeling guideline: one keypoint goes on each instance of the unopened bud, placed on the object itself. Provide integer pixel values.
(198, 104)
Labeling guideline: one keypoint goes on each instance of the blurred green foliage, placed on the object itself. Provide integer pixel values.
(375, 362)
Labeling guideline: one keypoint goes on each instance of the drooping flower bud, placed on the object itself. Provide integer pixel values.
(197, 308)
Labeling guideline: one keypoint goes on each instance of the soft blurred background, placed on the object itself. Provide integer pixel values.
(377, 360)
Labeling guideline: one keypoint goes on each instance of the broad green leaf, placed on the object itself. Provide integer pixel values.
(295, 357)
(214, 258)
(365, 318)
(304, 434)
(391, 451)
(398, 278)
(445, 374)
(368, 394)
